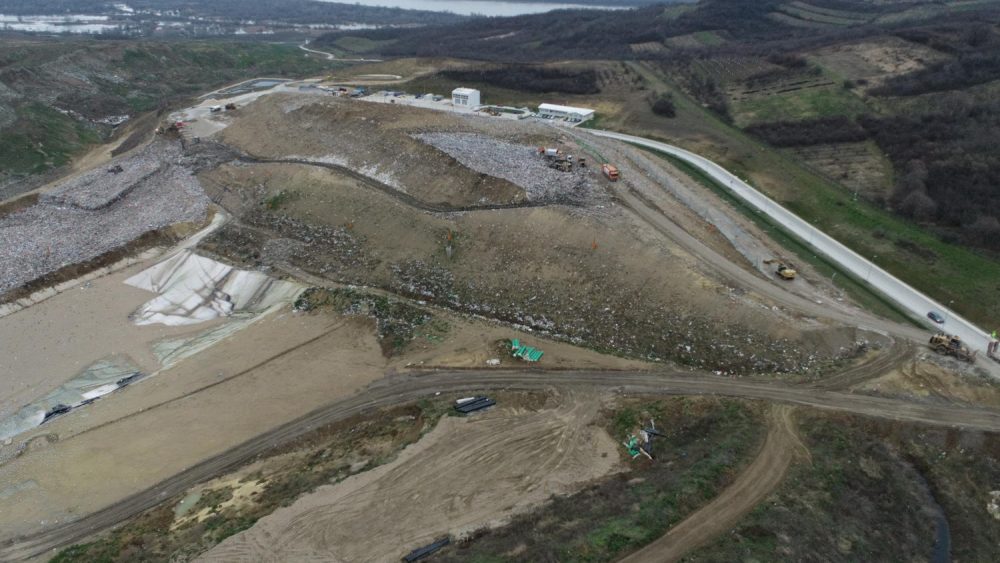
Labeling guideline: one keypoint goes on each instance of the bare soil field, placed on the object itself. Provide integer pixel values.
(283, 365)
(466, 473)
(48, 343)
(860, 167)
(929, 377)
(876, 61)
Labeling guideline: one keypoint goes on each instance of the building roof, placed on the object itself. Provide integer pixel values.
(466, 91)
(564, 109)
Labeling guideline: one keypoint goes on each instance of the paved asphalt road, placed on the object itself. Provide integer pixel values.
(904, 295)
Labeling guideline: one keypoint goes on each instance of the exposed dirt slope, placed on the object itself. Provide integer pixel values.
(372, 139)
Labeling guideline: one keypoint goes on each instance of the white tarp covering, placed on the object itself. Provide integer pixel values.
(194, 289)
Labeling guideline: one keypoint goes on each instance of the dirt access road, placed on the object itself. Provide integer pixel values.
(409, 387)
(749, 489)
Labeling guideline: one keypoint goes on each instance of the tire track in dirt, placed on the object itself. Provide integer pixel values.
(410, 387)
(464, 473)
(751, 487)
(883, 362)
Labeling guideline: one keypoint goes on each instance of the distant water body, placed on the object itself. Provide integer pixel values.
(471, 7)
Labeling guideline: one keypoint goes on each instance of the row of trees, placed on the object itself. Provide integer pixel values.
(530, 78)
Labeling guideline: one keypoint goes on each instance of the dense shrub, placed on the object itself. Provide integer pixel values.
(820, 131)
(664, 106)
(530, 78)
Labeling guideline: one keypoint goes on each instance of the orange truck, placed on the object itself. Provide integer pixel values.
(611, 171)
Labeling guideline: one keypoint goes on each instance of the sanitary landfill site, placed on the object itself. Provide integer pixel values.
(293, 324)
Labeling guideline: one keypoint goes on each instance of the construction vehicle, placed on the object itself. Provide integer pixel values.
(951, 345)
(786, 273)
(610, 171)
(561, 164)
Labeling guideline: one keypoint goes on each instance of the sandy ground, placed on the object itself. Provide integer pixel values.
(270, 373)
(48, 343)
(471, 343)
(466, 473)
(929, 378)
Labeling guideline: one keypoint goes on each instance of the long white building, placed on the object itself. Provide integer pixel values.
(569, 113)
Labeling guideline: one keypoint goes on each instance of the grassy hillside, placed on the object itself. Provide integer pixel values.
(59, 97)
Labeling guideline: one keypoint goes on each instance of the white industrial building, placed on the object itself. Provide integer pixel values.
(569, 113)
(465, 98)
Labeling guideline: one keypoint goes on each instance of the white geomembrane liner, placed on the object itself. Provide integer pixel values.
(195, 289)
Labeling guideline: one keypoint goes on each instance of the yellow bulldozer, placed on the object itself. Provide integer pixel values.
(786, 273)
(951, 345)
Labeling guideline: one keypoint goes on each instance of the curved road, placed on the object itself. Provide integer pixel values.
(413, 386)
(907, 297)
(750, 488)
(332, 57)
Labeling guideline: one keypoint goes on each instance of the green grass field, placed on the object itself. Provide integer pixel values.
(42, 138)
(802, 104)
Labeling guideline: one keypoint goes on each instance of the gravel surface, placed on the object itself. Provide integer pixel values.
(64, 230)
(517, 163)
(100, 187)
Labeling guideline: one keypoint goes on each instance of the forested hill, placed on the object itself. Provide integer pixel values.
(576, 33)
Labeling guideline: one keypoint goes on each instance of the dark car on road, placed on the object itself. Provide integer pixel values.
(936, 317)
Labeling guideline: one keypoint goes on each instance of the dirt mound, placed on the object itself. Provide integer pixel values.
(373, 139)
(632, 291)
(468, 472)
(516, 163)
(103, 186)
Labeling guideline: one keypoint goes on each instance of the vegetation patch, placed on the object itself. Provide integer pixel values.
(42, 138)
(874, 491)
(801, 104)
(530, 78)
(708, 441)
(835, 129)
(397, 322)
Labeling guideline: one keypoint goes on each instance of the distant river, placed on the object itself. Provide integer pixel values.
(470, 7)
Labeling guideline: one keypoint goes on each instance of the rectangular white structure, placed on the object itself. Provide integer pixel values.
(569, 113)
(465, 98)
